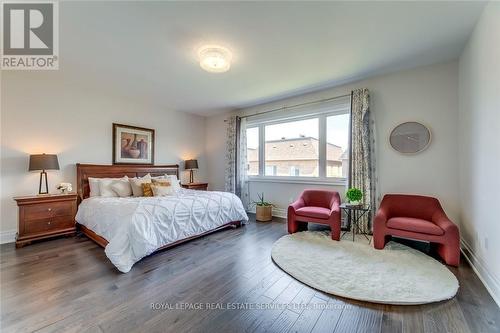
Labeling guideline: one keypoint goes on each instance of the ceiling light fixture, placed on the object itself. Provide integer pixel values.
(215, 59)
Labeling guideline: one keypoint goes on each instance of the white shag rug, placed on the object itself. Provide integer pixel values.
(395, 275)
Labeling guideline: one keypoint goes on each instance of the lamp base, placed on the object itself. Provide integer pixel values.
(42, 174)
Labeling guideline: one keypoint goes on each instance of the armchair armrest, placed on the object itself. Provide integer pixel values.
(440, 219)
(380, 217)
(334, 208)
(296, 205)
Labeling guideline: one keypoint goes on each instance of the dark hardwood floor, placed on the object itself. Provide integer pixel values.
(68, 285)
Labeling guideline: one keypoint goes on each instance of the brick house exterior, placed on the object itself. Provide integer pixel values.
(298, 157)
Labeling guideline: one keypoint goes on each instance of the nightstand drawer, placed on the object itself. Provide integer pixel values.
(49, 224)
(198, 187)
(48, 210)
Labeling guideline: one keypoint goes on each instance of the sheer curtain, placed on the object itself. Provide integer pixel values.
(362, 173)
(236, 171)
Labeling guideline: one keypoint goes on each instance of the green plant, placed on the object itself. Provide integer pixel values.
(261, 201)
(354, 194)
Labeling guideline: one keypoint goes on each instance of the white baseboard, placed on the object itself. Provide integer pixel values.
(8, 236)
(490, 281)
(277, 212)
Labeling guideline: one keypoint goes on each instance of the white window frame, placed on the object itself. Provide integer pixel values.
(322, 123)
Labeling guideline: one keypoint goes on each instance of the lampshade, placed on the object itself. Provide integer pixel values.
(191, 164)
(43, 162)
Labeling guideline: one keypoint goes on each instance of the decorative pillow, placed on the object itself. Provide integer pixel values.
(161, 181)
(105, 186)
(146, 189)
(122, 187)
(136, 184)
(162, 190)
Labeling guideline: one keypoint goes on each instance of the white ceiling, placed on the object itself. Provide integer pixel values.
(148, 49)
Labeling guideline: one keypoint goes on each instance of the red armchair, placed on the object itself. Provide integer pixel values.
(417, 217)
(317, 206)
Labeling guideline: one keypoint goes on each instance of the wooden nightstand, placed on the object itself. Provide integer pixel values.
(196, 186)
(45, 216)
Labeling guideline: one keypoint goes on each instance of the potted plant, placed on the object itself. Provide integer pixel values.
(354, 196)
(263, 209)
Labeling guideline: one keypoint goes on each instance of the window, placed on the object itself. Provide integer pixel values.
(292, 143)
(271, 170)
(253, 151)
(306, 144)
(294, 171)
(337, 141)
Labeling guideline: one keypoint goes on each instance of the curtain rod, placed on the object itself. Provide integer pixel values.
(294, 106)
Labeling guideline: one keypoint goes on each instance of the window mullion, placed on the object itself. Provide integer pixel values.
(262, 147)
(322, 146)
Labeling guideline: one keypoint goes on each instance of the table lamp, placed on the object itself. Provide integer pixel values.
(191, 165)
(43, 162)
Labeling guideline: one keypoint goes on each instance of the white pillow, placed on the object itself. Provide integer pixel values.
(122, 187)
(94, 187)
(136, 184)
(162, 190)
(105, 186)
(174, 181)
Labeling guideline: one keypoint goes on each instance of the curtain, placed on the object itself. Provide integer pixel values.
(362, 166)
(231, 153)
(242, 167)
(236, 173)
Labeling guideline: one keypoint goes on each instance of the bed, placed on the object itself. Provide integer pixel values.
(134, 227)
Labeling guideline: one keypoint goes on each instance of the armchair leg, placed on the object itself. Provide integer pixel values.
(296, 226)
(449, 253)
(335, 228)
(379, 240)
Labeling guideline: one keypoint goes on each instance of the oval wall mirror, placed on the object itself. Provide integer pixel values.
(410, 137)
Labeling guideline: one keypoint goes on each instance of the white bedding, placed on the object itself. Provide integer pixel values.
(137, 226)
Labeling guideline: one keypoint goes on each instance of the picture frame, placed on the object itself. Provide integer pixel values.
(133, 145)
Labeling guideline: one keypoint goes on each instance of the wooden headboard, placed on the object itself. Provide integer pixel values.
(84, 171)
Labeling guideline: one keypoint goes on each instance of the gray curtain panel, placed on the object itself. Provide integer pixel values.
(231, 154)
(236, 173)
(362, 173)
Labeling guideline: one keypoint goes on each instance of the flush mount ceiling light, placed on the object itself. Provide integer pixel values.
(215, 59)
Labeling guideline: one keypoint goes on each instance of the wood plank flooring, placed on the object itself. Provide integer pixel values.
(223, 282)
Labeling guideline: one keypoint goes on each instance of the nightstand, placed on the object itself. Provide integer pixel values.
(196, 186)
(45, 216)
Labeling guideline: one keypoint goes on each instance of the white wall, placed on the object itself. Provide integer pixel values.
(426, 94)
(479, 127)
(41, 112)
(215, 143)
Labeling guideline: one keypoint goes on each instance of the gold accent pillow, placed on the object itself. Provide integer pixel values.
(162, 187)
(161, 190)
(136, 184)
(162, 182)
(146, 190)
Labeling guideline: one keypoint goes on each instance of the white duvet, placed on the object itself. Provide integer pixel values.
(137, 226)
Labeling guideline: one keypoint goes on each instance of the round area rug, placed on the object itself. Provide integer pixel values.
(395, 275)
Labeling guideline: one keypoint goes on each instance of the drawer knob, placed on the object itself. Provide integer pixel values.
(48, 223)
(49, 209)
